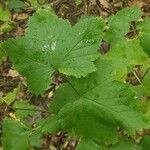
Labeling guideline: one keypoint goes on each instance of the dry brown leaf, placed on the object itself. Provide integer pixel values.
(51, 147)
(50, 94)
(19, 31)
(13, 73)
(22, 16)
(104, 3)
(139, 3)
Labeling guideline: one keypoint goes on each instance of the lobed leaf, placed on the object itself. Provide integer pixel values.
(51, 44)
(119, 24)
(126, 54)
(97, 106)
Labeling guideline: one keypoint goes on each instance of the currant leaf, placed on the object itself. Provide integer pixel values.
(50, 44)
(124, 55)
(99, 104)
(119, 24)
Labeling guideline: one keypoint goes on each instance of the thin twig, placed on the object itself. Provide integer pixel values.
(134, 73)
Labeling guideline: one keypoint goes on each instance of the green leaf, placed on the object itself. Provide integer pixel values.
(49, 125)
(144, 34)
(97, 106)
(146, 83)
(125, 55)
(38, 4)
(44, 50)
(16, 5)
(145, 143)
(124, 144)
(6, 27)
(87, 145)
(138, 89)
(119, 24)
(5, 14)
(143, 89)
(35, 4)
(19, 105)
(36, 139)
(15, 135)
(78, 2)
(11, 96)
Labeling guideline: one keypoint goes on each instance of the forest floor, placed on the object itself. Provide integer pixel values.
(67, 9)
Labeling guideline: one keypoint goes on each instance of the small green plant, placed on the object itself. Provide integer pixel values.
(6, 24)
(94, 104)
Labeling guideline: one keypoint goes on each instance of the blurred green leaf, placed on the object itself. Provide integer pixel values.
(144, 34)
(11, 96)
(78, 2)
(49, 125)
(15, 135)
(23, 105)
(87, 145)
(146, 143)
(36, 139)
(16, 5)
(4, 14)
(124, 144)
(5, 17)
(6, 27)
(34, 4)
